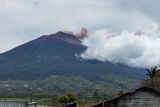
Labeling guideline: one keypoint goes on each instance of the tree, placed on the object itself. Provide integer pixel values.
(71, 97)
(151, 72)
(96, 95)
(63, 99)
(67, 99)
(154, 78)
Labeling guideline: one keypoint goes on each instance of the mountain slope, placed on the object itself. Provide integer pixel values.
(42, 54)
(56, 55)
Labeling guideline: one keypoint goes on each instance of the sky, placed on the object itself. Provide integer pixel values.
(25, 20)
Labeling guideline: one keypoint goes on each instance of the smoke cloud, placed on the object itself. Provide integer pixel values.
(138, 49)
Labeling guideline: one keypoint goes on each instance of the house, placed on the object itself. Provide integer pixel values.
(142, 97)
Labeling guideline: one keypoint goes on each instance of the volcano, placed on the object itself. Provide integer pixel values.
(58, 54)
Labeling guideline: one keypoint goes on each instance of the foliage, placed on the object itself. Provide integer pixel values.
(67, 98)
(151, 72)
(71, 97)
(96, 95)
(63, 99)
(58, 85)
(154, 80)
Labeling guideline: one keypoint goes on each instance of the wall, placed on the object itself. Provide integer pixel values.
(140, 99)
(136, 99)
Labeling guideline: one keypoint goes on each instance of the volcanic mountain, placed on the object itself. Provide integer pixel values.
(57, 54)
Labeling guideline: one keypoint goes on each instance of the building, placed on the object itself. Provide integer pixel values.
(142, 97)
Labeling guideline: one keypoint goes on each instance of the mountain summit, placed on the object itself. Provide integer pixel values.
(68, 38)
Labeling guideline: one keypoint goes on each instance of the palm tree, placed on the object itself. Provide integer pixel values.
(151, 72)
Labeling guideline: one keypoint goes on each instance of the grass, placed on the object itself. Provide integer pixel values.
(45, 101)
(49, 102)
(12, 99)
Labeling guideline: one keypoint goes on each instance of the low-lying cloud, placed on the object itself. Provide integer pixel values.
(138, 49)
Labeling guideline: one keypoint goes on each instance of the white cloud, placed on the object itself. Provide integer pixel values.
(139, 48)
(23, 20)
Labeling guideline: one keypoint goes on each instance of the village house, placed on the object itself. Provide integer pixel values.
(142, 97)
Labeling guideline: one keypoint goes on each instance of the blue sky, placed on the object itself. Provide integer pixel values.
(24, 20)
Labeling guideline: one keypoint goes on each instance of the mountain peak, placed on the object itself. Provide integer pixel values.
(62, 36)
(60, 33)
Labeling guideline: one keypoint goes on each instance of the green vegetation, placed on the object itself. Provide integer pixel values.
(63, 99)
(152, 72)
(154, 78)
(67, 99)
(58, 85)
(72, 97)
